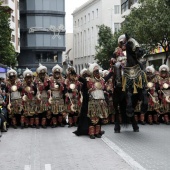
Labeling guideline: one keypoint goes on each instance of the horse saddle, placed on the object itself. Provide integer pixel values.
(132, 72)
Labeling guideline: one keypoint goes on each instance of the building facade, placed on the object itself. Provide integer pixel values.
(127, 5)
(86, 19)
(14, 22)
(42, 33)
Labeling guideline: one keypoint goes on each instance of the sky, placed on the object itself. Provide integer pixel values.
(71, 5)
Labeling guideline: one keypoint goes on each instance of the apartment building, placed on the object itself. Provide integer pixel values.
(14, 22)
(86, 19)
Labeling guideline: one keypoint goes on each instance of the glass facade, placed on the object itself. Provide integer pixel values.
(42, 32)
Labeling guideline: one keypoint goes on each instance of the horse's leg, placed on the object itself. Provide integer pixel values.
(144, 105)
(117, 123)
(135, 99)
(129, 106)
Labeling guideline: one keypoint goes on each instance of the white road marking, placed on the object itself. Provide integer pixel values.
(27, 167)
(47, 166)
(135, 165)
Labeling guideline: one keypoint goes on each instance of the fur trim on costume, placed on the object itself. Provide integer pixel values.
(57, 68)
(150, 69)
(163, 68)
(11, 72)
(41, 68)
(27, 72)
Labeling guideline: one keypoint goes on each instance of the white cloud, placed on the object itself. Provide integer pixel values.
(71, 5)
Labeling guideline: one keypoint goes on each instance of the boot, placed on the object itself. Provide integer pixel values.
(32, 122)
(70, 122)
(43, 123)
(22, 121)
(150, 120)
(166, 119)
(14, 123)
(97, 131)
(26, 122)
(37, 122)
(60, 120)
(155, 119)
(117, 127)
(112, 118)
(4, 128)
(91, 132)
(75, 118)
(54, 122)
(142, 119)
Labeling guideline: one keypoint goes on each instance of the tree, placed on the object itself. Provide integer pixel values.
(150, 25)
(7, 51)
(107, 42)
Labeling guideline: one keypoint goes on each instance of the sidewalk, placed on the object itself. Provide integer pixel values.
(56, 149)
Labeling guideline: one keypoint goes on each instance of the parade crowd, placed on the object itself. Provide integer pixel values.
(53, 100)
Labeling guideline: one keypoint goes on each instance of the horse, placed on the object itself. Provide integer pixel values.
(130, 83)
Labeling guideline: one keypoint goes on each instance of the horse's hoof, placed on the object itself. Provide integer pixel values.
(136, 130)
(117, 131)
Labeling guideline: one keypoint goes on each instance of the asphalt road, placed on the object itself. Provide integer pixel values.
(60, 149)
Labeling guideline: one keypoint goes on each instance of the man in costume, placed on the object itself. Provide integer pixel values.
(164, 91)
(109, 98)
(153, 100)
(73, 96)
(30, 103)
(13, 90)
(42, 83)
(56, 98)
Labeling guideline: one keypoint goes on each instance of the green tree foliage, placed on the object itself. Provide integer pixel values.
(107, 42)
(150, 24)
(7, 51)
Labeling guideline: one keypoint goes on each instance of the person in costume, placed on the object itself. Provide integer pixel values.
(109, 98)
(42, 83)
(30, 103)
(73, 96)
(153, 100)
(97, 106)
(13, 90)
(56, 98)
(164, 92)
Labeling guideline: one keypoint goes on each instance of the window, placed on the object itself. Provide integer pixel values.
(18, 41)
(124, 6)
(75, 23)
(97, 13)
(116, 27)
(78, 23)
(81, 21)
(13, 38)
(89, 17)
(85, 19)
(92, 14)
(13, 19)
(17, 5)
(116, 9)
(18, 23)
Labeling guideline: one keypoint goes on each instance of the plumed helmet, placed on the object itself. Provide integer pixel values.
(70, 69)
(27, 72)
(163, 68)
(41, 69)
(57, 68)
(121, 38)
(93, 67)
(83, 71)
(105, 73)
(11, 72)
(150, 69)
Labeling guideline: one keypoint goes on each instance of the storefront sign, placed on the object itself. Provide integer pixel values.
(56, 30)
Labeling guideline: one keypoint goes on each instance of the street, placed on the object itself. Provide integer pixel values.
(60, 149)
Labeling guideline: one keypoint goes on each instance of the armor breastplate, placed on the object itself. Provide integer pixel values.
(44, 94)
(15, 95)
(97, 94)
(56, 94)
